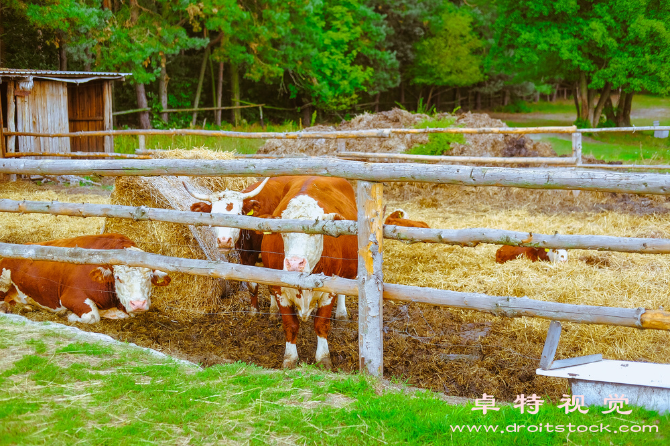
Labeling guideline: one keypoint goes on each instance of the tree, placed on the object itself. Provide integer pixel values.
(599, 45)
(450, 55)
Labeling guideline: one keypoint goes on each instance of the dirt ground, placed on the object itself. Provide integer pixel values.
(461, 353)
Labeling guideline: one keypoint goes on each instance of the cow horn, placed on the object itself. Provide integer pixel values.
(256, 191)
(203, 197)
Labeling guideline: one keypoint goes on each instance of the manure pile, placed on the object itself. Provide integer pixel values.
(476, 145)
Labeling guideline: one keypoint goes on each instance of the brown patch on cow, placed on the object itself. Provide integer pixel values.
(229, 207)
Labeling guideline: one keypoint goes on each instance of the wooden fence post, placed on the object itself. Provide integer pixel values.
(141, 142)
(577, 148)
(370, 278)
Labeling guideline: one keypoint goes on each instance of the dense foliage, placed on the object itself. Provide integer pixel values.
(337, 57)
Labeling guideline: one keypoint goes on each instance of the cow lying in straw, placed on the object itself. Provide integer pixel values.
(397, 218)
(507, 253)
(88, 291)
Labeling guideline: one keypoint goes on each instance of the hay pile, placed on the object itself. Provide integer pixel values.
(476, 145)
(186, 293)
(30, 228)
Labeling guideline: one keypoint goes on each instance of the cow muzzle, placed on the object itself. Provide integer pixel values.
(305, 314)
(298, 264)
(225, 243)
(139, 306)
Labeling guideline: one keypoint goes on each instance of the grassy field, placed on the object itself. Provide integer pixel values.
(59, 390)
(128, 144)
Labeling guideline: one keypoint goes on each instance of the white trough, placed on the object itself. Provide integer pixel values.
(643, 384)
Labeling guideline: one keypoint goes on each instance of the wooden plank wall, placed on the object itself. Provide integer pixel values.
(86, 105)
(44, 110)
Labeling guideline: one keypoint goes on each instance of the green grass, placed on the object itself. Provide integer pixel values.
(130, 398)
(128, 144)
(626, 147)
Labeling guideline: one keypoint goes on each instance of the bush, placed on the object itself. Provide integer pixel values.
(438, 143)
(515, 107)
(582, 123)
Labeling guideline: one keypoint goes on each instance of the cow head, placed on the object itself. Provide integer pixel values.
(132, 284)
(398, 213)
(303, 251)
(227, 202)
(557, 255)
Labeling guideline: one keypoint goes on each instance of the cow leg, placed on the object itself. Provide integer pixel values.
(322, 328)
(291, 326)
(341, 311)
(253, 293)
(84, 311)
(274, 308)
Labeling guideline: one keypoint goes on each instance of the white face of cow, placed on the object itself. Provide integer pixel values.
(133, 287)
(231, 203)
(302, 253)
(558, 255)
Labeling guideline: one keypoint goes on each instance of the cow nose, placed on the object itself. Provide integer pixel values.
(225, 242)
(139, 305)
(295, 264)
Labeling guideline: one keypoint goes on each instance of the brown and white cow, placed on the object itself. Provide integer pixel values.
(507, 253)
(398, 218)
(258, 199)
(313, 198)
(88, 291)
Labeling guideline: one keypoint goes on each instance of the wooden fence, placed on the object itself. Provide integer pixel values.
(370, 286)
(574, 160)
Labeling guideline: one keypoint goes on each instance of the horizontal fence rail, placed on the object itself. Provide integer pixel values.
(141, 213)
(461, 159)
(499, 306)
(78, 155)
(374, 133)
(462, 237)
(636, 183)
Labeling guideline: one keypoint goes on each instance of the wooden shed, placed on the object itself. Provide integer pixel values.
(44, 101)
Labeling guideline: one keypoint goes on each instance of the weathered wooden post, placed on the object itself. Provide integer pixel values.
(370, 277)
(577, 148)
(341, 145)
(142, 142)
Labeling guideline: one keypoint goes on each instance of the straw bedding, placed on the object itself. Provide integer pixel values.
(459, 352)
(186, 293)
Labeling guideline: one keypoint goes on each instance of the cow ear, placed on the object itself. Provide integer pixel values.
(201, 207)
(332, 216)
(159, 278)
(252, 207)
(101, 275)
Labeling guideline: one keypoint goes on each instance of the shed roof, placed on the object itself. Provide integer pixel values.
(62, 76)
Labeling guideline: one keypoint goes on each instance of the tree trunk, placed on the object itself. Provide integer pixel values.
(235, 93)
(62, 53)
(402, 93)
(134, 11)
(619, 109)
(377, 102)
(506, 97)
(604, 95)
(457, 97)
(430, 97)
(537, 97)
(201, 78)
(478, 100)
(609, 109)
(553, 96)
(306, 116)
(591, 96)
(576, 98)
(163, 87)
(438, 100)
(140, 92)
(628, 105)
(584, 96)
(219, 95)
